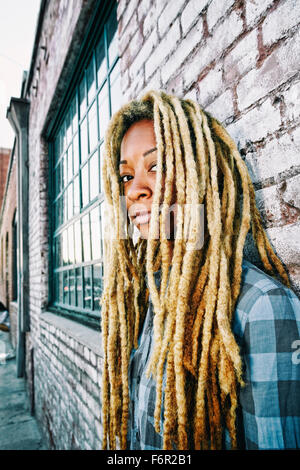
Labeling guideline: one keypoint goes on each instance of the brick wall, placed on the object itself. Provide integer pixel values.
(4, 161)
(240, 60)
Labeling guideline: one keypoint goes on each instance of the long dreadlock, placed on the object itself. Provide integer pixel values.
(193, 307)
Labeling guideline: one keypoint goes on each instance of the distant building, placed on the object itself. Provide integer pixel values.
(238, 59)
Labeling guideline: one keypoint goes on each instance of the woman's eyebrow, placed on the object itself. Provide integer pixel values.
(149, 151)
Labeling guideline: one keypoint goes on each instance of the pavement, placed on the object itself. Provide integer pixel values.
(18, 428)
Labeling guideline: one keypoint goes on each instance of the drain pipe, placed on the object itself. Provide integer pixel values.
(17, 114)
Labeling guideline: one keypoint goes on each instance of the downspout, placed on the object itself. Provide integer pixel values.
(17, 114)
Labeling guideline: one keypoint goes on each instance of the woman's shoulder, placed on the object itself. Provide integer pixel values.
(263, 299)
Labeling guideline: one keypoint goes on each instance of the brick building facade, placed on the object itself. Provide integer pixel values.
(238, 58)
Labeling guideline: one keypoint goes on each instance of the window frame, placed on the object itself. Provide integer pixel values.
(96, 30)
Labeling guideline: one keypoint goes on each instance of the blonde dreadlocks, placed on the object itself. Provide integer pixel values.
(193, 307)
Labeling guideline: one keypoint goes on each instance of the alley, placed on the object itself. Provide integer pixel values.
(18, 429)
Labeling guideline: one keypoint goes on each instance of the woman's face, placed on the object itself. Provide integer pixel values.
(138, 172)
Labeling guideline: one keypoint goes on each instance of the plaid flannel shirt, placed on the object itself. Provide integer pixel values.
(267, 328)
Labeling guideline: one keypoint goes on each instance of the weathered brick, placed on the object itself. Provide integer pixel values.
(191, 12)
(182, 51)
(127, 15)
(292, 101)
(256, 124)
(223, 36)
(168, 15)
(268, 203)
(217, 10)
(222, 107)
(285, 241)
(255, 8)
(144, 53)
(279, 21)
(211, 85)
(291, 193)
(242, 58)
(163, 49)
(150, 19)
(282, 64)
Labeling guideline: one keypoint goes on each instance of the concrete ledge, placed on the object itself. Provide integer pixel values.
(83, 334)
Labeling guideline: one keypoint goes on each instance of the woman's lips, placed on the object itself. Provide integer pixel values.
(142, 218)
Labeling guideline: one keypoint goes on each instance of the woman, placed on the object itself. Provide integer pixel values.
(192, 335)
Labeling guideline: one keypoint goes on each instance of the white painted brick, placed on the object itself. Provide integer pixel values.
(286, 242)
(128, 12)
(292, 101)
(268, 203)
(216, 10)
(150, 18)
(163, 49)
(168, 15)
(291, 194)
(191, 95)
(279, 21)
(256, 124)
(191, 12)
(277, 156)
(153, 84)
(182, 51)
(282, 64)
(222, 108)
(242, 58)
(210, 86)
(223, 36)
(255, 8)
(144, 53)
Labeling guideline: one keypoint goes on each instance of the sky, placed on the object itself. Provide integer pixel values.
(18, 20)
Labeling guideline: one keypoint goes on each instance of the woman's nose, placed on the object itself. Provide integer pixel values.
(138, 189)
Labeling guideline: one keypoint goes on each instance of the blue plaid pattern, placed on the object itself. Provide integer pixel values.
(267, 328)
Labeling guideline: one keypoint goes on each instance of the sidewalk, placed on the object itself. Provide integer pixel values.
(18, 429)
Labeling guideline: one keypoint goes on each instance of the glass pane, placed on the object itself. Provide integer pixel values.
(72, 282)
(60, 288)
(103, 110)
(93, 127)
(86, 240)
(75, 154)
(85, 185)
(70, 162)
(101, 160)
(65, 255)
(63, 137)
(74, 114)
(71, 244)
(82, 98)
(68, 127)
(78, 242)
(87, 287)
(115, 89)
(95, 233)
(78, 287)
(83, 141)
(57, 178)
(70, 201)
(65, 207)
(91, 81)
(58, 212)
(76, 196)
(66, 287)
(100, 61)
(112, 38)
(64, 170)
(94, 175)
(98, 284)
(58, 252)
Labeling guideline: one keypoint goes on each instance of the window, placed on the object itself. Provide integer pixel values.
(77, 252)
(14, 259)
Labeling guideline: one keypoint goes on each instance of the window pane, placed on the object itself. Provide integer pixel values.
(87, 287)
(78, 246)
(82, 98)
(65, 207)
(86, 238)
(74, 114)
(95, 233)
(112, 39)
(98, 284)
(66, 287)
(57, 177)
(115, 92)
(83, 141)
(58, 252)
(64, 170)
(100, 61)
(65, 255)
(85, 185)
(68, 127)
(70, 162)
(78, 288)
(103, 110)
(93, 127)
(72, 281)
(101, 160)
(60, 288)
(75, 154)
(71, 244)
(76, 196)
(91, 82)
(70, 201)
(94, 176)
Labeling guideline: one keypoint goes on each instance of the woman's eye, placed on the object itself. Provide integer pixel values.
(125, 178)
(153, 167)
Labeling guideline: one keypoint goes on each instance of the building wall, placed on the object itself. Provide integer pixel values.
(8, 207)
(239, 59)
(4, 161)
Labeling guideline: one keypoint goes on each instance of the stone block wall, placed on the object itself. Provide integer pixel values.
(240, 60)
